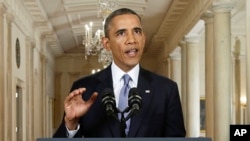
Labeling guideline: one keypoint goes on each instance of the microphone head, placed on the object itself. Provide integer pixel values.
(107, 92)
(108, 101)
(134, 100)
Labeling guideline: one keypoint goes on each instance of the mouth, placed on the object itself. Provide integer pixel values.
(132, 52)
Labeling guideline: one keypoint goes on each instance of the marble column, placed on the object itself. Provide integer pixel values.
(38, 96)
(10, 86)
(2, 72)
(29, 86)
(248, 59)
(209, 73)
(32, 90)
(175, 62)
(222, 70)
(193, 93)
(182, 44)
(237, 82)
(168, 67)
(58, 101)
(43, 61)
(165, 71)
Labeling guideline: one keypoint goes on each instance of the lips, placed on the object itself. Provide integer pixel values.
(132, 51)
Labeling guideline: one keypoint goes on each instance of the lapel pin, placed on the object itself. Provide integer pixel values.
(147, 91)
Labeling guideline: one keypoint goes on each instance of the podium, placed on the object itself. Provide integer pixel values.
(125, 139)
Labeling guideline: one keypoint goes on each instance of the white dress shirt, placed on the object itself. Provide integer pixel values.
(118, 81)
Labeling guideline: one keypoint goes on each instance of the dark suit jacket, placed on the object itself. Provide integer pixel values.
(159, 116)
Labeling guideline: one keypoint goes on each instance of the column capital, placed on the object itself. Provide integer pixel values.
(207, 16)
(10, 17)
(182, 43)
(43, 59)
(192, 38)
(237, 47)
(30, 41)
(3, 8)
(176, 54)
(222, 6)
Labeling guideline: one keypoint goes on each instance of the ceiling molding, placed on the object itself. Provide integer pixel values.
(41, 22)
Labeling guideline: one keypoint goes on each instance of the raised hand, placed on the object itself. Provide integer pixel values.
(75, 107)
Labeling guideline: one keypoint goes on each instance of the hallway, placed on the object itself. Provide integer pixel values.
(205, 50)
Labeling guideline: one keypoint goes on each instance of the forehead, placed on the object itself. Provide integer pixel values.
(128, 19)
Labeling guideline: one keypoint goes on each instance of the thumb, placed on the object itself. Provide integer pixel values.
(92, 98)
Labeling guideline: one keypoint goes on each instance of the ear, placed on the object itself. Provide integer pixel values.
(105, 43)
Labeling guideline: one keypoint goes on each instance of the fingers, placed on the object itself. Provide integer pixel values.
(75, 106)
(75, 93)
(92, 98)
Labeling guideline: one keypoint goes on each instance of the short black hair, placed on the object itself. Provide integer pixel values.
(121, 11)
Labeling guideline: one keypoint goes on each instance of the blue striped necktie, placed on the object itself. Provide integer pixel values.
(123, 98)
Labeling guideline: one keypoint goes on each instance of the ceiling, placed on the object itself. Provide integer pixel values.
(62, 21)
(69, 17)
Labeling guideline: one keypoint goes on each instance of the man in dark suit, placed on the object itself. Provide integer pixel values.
(160, 114)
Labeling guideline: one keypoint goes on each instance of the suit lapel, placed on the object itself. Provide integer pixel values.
(145, 90)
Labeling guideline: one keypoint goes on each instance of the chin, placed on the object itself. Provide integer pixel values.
(132, 63)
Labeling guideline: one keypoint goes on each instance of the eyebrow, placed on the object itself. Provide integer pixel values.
(138, 28)
(122, 30)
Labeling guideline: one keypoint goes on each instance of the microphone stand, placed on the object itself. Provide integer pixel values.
(132, 109)
(123, 124)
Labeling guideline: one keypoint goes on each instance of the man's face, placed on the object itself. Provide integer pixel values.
(126, 41)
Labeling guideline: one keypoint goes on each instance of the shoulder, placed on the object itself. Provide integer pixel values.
(93, 79)
(153, 77)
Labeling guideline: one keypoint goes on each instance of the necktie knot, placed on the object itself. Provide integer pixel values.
(126, 79)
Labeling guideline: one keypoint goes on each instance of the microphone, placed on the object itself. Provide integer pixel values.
(134, 102)
(108, 100)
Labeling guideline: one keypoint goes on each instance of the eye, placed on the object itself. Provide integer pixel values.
(120, 33)
(138, 30)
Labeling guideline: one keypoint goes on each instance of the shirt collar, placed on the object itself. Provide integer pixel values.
(117, 73)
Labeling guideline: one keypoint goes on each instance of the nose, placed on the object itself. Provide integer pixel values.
(131, 38)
